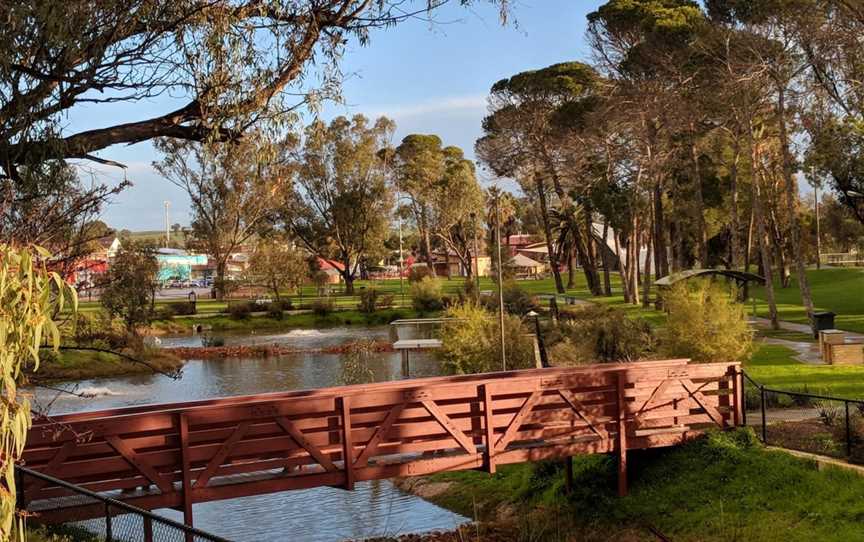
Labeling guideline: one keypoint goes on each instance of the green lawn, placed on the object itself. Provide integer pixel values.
(719, 488)
(837, 290)
(775, 367)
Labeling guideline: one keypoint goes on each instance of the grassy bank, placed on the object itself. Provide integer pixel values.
(775, 367)
(723, 487)
(837, 290)
(288, 321)
(83, 364)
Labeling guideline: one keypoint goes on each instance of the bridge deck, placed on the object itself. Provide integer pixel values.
(174, 455)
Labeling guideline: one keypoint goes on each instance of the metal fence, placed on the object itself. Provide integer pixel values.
(806, 421)
(121, 522)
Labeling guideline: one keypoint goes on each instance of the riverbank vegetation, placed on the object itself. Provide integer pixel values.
(722, 487)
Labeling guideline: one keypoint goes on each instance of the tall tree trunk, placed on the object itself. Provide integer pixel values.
(589, 263)
(661, 257)
(748, 249)
(634, 260)
(762, 234)
(623, 265)
(219, 284)
(702, 234)
(646, 275)
(735, 224)
(604, 254)
(791, 195)
(547, 230)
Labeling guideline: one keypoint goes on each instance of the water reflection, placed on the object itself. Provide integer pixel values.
(317, 515)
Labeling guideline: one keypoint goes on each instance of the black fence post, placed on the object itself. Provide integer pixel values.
(108, 535)
(848, 431)
(764, 423)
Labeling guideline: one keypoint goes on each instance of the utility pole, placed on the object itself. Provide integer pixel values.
(500, 281)
(167, 225)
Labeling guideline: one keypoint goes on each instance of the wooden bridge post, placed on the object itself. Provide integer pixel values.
(347, 443)
(183, 425)
(737, 396)
(489, 423)
(622, 436)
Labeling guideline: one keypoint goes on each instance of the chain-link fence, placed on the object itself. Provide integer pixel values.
(804, 421)
(100, 518)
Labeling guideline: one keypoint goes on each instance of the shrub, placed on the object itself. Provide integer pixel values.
(322, 307)
(829, 413)
(368, 300)
(517, 300)
(471, 343)
(418, 273)
(182, 308)
(240, 310)
(606, 334)
(275, 309)
(705, 323)
(212, 341)
(468, 293)
(426, 295)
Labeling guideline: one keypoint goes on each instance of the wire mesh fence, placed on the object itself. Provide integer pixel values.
(114, 521)
(804, 421)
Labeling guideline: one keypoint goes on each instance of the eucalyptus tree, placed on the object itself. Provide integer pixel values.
(340, 204)
(418, 165)
(525, 135)
(234, 189)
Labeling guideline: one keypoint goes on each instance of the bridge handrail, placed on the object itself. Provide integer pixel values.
(364, 388)
(171, 456)
(114, 507)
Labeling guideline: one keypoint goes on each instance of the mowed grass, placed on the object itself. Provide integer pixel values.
(719, 488)
(837, 290)
(775, 366)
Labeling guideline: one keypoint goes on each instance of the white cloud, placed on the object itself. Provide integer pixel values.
(453, 105)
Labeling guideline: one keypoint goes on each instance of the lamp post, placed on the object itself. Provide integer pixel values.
(544, 359)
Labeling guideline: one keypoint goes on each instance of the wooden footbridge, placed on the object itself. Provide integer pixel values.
(176, 455)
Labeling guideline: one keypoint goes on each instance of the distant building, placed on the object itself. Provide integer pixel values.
(177, 264)
(87, 270)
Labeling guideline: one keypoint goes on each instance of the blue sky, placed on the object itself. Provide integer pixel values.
(428, 79)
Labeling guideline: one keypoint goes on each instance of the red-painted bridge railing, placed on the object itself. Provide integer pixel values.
(175, 455)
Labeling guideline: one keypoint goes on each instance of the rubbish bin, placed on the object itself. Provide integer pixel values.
(823, 321)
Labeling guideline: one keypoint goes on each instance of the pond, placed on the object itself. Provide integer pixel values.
(317, 515)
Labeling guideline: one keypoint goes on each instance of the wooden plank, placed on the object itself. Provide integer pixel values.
(703, 402)
(380, 434)
(517, 421)
(183, 425)
(220, 456)
(132, 457)
(622, 438)
(306, 444)
(347, 442)
(488, 424)
(578, 408)
(445, 422)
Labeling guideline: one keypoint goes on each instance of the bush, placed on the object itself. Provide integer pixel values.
(240, 310)
(182, 308)
(418, 273)
(210, 341)
(516, 300)
(426, 295)
(605, 334)
(368, 301)
(472, 343)
(322, 307)
(468, 293)
(705, 323)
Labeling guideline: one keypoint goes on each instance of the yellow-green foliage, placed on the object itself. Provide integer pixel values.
(29, 296)
(472, 344)
(705, 323)
(427, 295)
